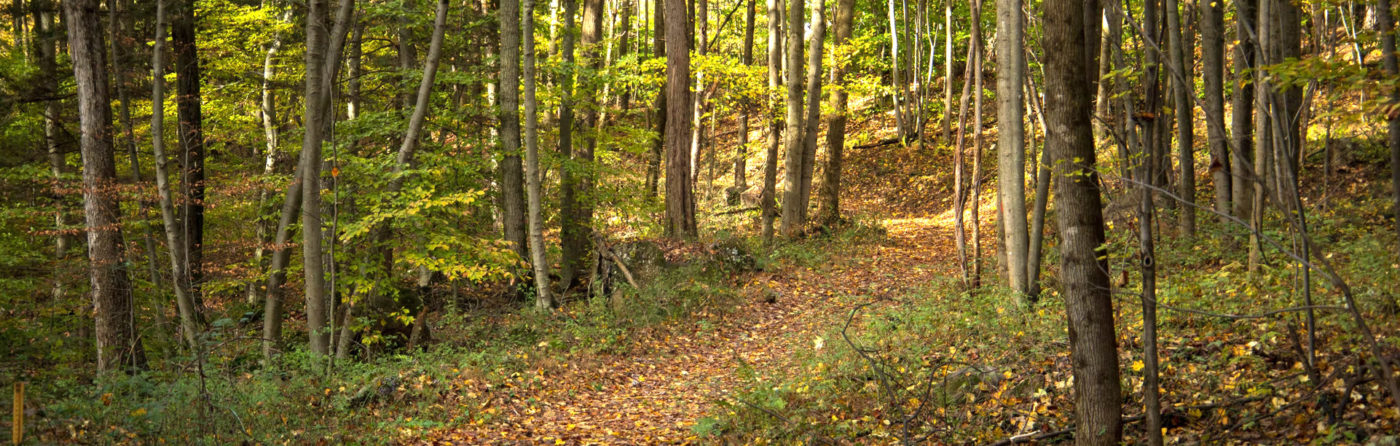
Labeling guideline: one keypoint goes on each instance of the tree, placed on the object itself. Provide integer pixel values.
(572, 233)
(512, 174)
(740, 162)
(1011, 149)
(1242, 119)
(1182, 97)
(814, 109)
(1083, 259)
(174, 236)
(680, 195)
(768, 200)
(118, 346)
(793, 207)
(543, 298)
(1392, 68)
(188, 105)
(830, 210)
(1213, 82)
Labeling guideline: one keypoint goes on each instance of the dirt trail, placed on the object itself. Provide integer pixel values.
(655, 393)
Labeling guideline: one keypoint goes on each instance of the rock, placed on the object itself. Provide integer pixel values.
(732, 255)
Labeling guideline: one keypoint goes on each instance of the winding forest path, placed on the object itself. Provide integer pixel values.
(654, 393)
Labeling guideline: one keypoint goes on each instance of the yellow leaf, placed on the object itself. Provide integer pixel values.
(1137, 366)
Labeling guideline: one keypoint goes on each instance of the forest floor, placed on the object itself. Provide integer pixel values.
(674, 375)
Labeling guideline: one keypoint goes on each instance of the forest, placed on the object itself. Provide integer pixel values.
(699, 222)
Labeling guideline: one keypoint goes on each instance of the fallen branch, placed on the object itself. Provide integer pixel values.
(1032, 437)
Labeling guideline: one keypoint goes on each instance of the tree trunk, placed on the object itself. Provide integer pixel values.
(1083, 262)
(896, 79)
(830, 209)
(512, 175)
(680, 195)
(118, 346)
(768, 200)
(174, 237)
(812, 123)
(948, 71)
(793, 137)
(572, 234)
(268, 112)
(1182, 84)
(1392, 69)
(58, 166)
(1042, 198)
(1011, 145)
(1262, 132)
(1241, 117)
(741, 181)
(535, 196)
(976, 182)
(658, 145)
(188, 103)
(1213, 81)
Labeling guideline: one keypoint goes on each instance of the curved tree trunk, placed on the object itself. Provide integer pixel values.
(534, 195)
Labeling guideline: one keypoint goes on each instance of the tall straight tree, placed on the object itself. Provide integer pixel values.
(188, 104)
(768, 200)
(792, 137)
(572, 234)
(658, 41)
(118, 346)
(829, 212)
(741, 161)
(1213, 81)
(543, 296)
(1392, 69)
(812, 123)
(576, 242)
(1083, 260)
(512, 175)
(1241, 119)
(1183, 99)
(174, 236)
(322, 64)
(680, 195)
(1011, 144)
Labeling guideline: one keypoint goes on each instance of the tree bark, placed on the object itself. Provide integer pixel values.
(58, 166)
(1392, 69)
(118, 346)
(658, 145)
(188, 104)
(1083, 261)
(1182, 84)
(829, 213)
(812, 123)
(535, 196)
(680, 195)
(1213, 81)
(512, 174)
(741, 181)
(572, 234)
(1241, 106)
(1011, 145)
(768, 200)
(174, 237)
(1262, 131)
(793, 137)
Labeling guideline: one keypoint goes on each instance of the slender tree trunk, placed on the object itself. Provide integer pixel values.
(1213, 81)
(959, 190)
(793, 136)
(830, 209)
(572, 232)
(1011, 144)
(1392, 69)
(268, 115)
(1084, 263)
(535, 196)
(680, 194)
(118, 63)
(1042, 198)
(512, 174)
(188, 103)
(658, 144)
(58, 166)
(174, 237)
(741, 181)
(1263, 133)
(699, 16)
(1241, 106)
(322, 64)
(976, 182)
(895, 75)
(812, 123)
(1182, 85)
(768, 200)
(948, 71)
(118, 346)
